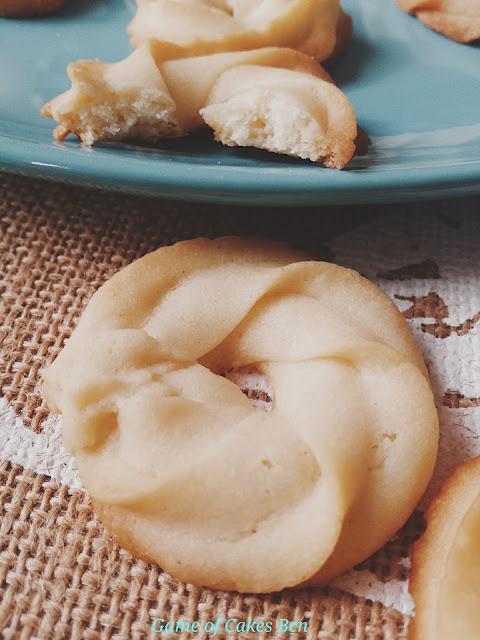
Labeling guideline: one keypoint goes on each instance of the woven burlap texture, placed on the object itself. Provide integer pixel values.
(60, 574)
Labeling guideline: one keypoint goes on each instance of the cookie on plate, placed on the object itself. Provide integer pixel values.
(186, 473)
(456, 19)
(445, 579)
(186, 28)
(276, 99)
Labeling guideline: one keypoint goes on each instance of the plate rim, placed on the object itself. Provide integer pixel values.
(172, 174)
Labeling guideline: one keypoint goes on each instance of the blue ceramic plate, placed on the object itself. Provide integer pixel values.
(415, 92)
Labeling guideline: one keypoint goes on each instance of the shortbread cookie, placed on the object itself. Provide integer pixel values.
(445, 580)
(185, 28)
(25, 8)
(184, 471)
(456, 19)
(293, 106)
(119, 101)
(282, 111)
(191, 81)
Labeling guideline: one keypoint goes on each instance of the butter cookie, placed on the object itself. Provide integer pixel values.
(275, 99)
(186, 473)
(456, 19)
(445, 580)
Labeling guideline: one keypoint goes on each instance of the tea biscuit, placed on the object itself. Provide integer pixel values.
(456, 19)
(293, 106)
(445, 579)
(282, 111)
(182, 469)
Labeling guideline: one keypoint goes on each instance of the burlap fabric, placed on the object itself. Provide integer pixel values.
(61, 576)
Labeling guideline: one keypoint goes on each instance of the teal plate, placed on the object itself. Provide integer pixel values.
(415, 92)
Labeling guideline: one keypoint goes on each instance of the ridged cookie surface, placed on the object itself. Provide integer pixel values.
(181, 467)
(185, 28)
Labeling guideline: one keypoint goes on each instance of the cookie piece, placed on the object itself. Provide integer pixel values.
(186, 28)
(456, 19)
(343, 35)
(445, 580)
(128, 99)
(282, 111)
(183, 470)
(140, 99)
(191, 80)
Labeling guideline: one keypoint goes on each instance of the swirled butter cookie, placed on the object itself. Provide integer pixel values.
(456, 19)
(185, 28)
(282, 111)
(445, 580)
(275, 99)
(186, 473)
